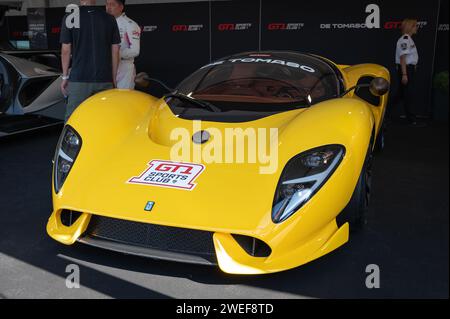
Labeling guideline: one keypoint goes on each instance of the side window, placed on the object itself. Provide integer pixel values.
(364, 92)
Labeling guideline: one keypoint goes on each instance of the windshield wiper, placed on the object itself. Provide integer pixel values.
(201, 103)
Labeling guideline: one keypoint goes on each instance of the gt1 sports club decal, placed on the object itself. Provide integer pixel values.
(169, 174)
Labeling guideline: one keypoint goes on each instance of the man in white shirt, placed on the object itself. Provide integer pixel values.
(130, 35)
(407, 58)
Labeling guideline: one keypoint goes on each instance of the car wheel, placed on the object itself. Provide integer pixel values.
(379, 144)
(357, 209)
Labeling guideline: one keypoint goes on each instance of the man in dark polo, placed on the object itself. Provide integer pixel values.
(93, 46)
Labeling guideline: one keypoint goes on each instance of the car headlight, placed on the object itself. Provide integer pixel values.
(69, 146)
(302, 177)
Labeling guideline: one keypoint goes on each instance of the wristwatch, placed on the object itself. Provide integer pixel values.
(64, 77)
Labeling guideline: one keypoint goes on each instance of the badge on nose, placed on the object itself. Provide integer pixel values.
(201, 137)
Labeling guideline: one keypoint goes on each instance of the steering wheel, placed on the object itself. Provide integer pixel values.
(282, 92)
(286, 91)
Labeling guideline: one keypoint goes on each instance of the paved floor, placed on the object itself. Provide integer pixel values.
(407, 237)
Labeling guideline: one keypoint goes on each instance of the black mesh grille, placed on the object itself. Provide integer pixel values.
(180, 240)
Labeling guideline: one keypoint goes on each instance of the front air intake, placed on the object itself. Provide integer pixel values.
(69, 217)
(253, 246)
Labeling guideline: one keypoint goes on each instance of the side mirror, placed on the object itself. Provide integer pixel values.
(379, 86)
(142, 80)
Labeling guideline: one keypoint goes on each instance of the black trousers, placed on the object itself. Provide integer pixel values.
(405, 93)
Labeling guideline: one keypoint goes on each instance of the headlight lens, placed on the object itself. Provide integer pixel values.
(302, 177)
(69, 146)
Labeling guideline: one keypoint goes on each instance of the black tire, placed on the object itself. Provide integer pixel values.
(379, 144)
(356, 211)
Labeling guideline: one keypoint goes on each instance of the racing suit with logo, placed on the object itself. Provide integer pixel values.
(130, 35)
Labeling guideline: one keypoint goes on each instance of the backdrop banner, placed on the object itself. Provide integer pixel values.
(178, 38)
(354, 31)
(441, 61)
(175, 39)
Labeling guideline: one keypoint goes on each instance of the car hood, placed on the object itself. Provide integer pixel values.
(226, 196)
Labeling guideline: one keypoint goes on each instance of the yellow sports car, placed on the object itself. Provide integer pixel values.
(258, 162)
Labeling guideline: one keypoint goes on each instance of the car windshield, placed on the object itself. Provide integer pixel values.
(263, 82)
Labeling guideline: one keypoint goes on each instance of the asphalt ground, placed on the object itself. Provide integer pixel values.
(407, 236)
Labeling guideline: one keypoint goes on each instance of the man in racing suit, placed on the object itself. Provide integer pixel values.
(130, 35)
